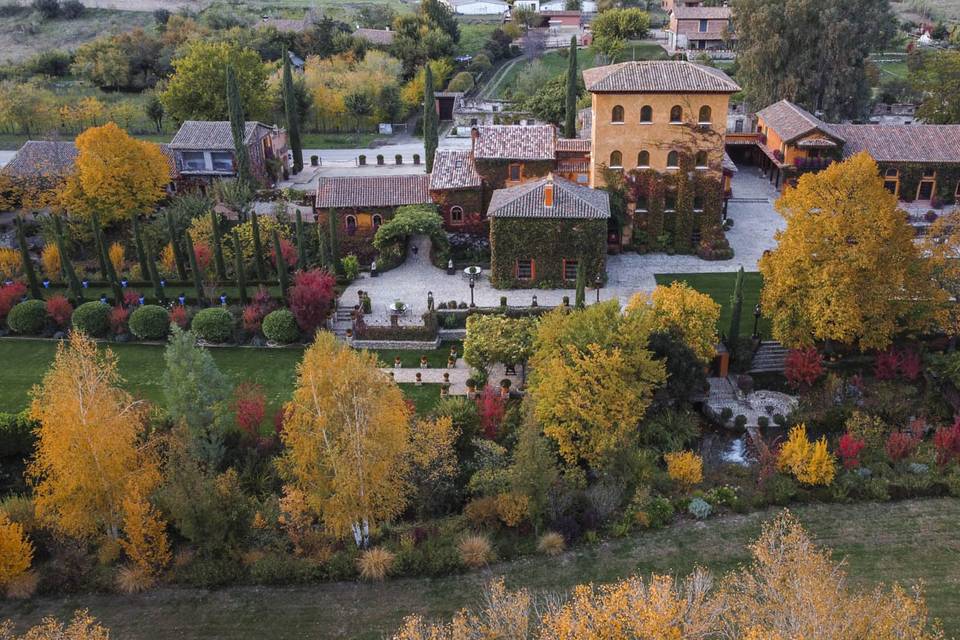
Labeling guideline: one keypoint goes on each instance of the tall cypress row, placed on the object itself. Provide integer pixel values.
(217, 247)
(105, 261)
(27, 262)
(175, 245)
(581, 297)
(303, 260)
(258, 247)
(736, 307)
(281, 265)
(101, 253)
(238, 268)
(238, 127)
(292, 115)
(333, 223)
(138, 245)
(323, 251)
(158, 291)
(429, 118)
(195, 271)
(570, 120)
(69, 273)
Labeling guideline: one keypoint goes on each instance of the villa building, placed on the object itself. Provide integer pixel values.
(700, 28)
(203, 151)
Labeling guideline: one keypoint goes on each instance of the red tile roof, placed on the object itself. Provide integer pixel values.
(373, 191)
(515, 142)
(454, 169)
(376, 36)
(214, 134)
(658, 76)
(573, 145)
(902, 143)
(570, 200)
(702, 13)
(791, 121)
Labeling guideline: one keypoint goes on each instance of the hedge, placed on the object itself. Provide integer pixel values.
(92, 318)
(213, 325)
(28, 317)
(281, 326)
(150, 322)
(426, 332)
(16, 434)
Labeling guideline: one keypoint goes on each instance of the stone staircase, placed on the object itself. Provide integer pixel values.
(343, 314)
(769, 358)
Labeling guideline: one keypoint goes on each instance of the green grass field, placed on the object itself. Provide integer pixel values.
(141, 367)
(903, 542)
(719, 286)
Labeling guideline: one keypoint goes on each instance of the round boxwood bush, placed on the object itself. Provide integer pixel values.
(280, 326)
(28, 317)
(150, 322)
(92, 318)
(213, 325)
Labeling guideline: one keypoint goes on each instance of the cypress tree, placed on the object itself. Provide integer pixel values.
(158, 292)
(238, 269)
(101, 254)
(138, 245)
(238, 127)
(257, 247)
(736, 306)
(217, 247)
(302, 257)
(175, 245)
(323, 249)
(292, 115)
(195, 270)
(69, 273)
(105, 261)
(27, 262)
(281, 265)
(429, 118)
(581, 297)
(333, 222)
(570, 120)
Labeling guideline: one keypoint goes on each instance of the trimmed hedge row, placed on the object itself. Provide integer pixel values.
(92, 318)
(28, 317)
(150, 322)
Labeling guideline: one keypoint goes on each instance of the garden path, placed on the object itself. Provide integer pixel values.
(457, 376)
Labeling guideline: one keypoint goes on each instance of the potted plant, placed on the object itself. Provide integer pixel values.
(471, 386)
(423, 362)
(444, 390)
(505, 388)
(446, 377)
(419, 379)
(396, 363)
(451, 362)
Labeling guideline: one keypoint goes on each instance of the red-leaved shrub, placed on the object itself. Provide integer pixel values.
(287, 250)
(204, 256)
(802, 367)
(911, 364)
(249, 407)
(947, 443)
(118, 319)
(257, 310)
(849, 449)
(491, 408)
(900, 445)
(886, 365)
(59, 309)
(10, 294)
(310, 298)
(178, 316)
(131, 298)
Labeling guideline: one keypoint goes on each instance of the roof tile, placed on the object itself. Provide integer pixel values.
(373, 191)
(790, 121)
(570, 201)
(902, 143)
(658, 76)
(515, 142)
(454, 169)
(207, 134)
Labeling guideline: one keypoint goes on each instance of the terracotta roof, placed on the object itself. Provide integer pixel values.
(373, 191)
(376, 36)
(702, 13)
(171, 161)
(659, 76)
(573, 145)
(790, 121)
(570, 200)
(902, 143)
(206, 134)
(454, 169)
(42, 159)
(728, 163)
(284, 24)
(515, 142)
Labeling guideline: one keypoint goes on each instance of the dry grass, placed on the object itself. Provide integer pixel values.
(376, 564)
(551, 544)
(475, 551)
(133, 578)
(22, 587)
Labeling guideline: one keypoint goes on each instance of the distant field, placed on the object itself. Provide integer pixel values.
(946, 10)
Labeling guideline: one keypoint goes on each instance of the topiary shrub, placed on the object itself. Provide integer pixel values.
(740, 421)
(213, 325)
(699, 508)
(763, 422)
(92, 318)
(28, 317)
(726, 413)
(150, 322)
(281, 326)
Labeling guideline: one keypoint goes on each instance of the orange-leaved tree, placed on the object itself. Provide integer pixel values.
(81, 627)
(114, 175)
(89, 447)
(681, 309)
(16, 551)
(347, 439)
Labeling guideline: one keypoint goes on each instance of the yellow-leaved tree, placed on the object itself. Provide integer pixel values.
(89, 447)
(114, 175)
(593, 379)
(691, 315)
(144, 532)
(347, 439)
(809, 462)
(16, 551)
(941, 245)
(82, 627)
(846, 267)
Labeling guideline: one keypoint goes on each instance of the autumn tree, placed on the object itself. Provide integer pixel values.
(941, 247)
(433, 464)
(593, 379)
(613, 28)
(938, 81)
(81, 627)
(16, 551)
(115, 175)
(682, 310)
(495, 338)
(89, 447)
(846, 268)
(347, 439)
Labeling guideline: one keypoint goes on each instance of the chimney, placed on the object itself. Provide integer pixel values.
(548, 192)
(474, 134)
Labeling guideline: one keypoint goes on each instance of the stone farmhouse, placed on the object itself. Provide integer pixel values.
(700, 28)
(203, 151)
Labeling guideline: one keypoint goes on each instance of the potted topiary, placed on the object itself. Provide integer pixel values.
(419, 380)
(444, 390)
(396, 363)
(740, 421)
(471, 386)
(423, 362)
(763, 422)
(451, 362)
(505, 388)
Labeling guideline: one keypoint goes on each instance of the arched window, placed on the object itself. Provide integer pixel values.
(673, 160)
(377, 221)
(616, 160)
(676, 114)
(704, 117)
(643, 159)
(701, 159)
(646, 113)
(456, 215)
(351, 223)
(892, 173)
(617, 114)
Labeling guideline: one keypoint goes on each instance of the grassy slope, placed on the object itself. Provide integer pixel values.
(141, 366)
(719, 286)
(904, 542)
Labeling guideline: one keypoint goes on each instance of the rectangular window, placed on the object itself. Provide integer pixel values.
(929, 173)
(703, 26)
(194, 161)
(515, 172)
(891, 186)
(642, 204)
(222, 161)
(525, 269)
(670, 202)
(569, 269)
(698, 203)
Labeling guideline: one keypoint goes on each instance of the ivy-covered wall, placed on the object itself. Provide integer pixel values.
(912, 172)
(495, 172)
(547, 242)
(471, 201)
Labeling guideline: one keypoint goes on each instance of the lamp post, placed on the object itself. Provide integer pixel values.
(598, 283)
(473, 282)
(756, 322)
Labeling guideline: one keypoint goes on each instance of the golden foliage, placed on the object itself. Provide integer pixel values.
(16, 551)
(433, 457)
(88, 442)
(168, 260)
(50, 261)
(11, 263)
(682, 309)
(846, 267)
(685, 468)
(482, 512)
(871, 429)
(116, 255)
(809, 462)
(512, 508)
(346, 438)
(376, 564)
(506, 616)
(145, 537)
(551, 544)
(412, 92)
(941, 246)
(330, 80)
(475, 551)
(82, 627)
(135, 578)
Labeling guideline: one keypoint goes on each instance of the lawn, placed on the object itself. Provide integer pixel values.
(719, 286)
(141, 367)
(473, 36)
(903, 542)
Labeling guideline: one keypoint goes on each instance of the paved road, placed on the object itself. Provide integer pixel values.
(5, 157)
